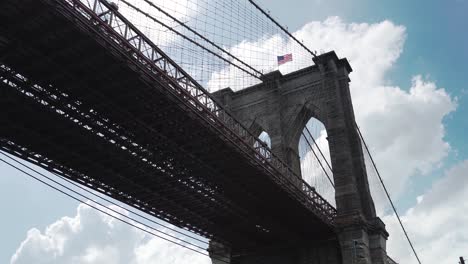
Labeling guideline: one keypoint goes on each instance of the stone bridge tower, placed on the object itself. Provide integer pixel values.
(281, 106)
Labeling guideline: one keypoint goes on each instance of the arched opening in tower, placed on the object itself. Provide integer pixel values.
(265, 138)
(314, 155)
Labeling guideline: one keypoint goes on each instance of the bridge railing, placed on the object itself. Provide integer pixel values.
(104, 18)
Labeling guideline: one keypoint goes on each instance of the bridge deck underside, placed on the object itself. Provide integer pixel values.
(86, 110)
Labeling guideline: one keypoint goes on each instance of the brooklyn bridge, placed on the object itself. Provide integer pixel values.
(89, 94)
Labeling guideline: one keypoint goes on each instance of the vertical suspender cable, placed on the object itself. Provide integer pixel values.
(315, 154)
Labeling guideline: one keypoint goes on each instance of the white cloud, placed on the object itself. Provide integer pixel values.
(403, 125)
(91, 237)
(406, 130)
(437, 223)
(311, 168)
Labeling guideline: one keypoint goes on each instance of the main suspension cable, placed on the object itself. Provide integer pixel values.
(201, 36)
(187, 38)
(282, 28)
(387, 194)
(105, 212)
(101, 197)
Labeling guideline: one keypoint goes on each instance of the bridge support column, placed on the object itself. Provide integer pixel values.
(282, 106)
(362, 235)
(323, 252)
(219, 253)
(378, 242)
(354, 239)
(362, 242)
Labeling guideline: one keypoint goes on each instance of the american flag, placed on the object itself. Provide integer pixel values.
(285, 58)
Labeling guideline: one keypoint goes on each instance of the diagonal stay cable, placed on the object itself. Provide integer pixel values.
(100, 204)
(282, 28)
(321, 153)
(318, 159)
(188, 39)
(103, 198)
(387, 194)
(202, 37)
(107, 208)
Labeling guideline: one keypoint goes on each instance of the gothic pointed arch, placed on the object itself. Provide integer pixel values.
(314, 154)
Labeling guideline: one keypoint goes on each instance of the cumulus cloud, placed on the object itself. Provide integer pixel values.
(437, 222)
(91, 237)
(406, 130)
(403, 125)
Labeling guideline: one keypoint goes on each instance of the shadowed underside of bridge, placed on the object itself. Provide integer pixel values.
(76, 104)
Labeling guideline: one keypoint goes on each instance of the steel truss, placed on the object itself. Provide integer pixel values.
(131, 155)
(115, 26)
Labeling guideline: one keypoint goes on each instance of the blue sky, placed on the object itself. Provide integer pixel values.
(28, 204)
(435, 46)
